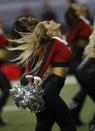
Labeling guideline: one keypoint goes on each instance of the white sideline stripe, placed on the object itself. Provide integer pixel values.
(69, 80)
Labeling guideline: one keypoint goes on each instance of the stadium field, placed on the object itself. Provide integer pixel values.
(22, 120)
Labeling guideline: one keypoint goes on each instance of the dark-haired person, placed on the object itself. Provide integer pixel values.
(20, 26)
(80, 29)
(23, 24)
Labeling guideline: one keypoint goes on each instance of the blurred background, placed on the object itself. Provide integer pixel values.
(10, 10)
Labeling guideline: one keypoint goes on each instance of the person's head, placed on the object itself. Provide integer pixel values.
(73, 13)
(24, 24)
(52, 27)
(45, 30)
(45, 7)
(25, 11)
(80, 9)
(29, 23)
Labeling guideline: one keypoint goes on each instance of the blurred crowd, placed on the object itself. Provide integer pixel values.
(47, 12)
(76, 30)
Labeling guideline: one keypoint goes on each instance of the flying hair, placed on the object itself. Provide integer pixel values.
(29, 43)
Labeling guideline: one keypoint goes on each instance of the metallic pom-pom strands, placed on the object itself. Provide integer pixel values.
(28, 97)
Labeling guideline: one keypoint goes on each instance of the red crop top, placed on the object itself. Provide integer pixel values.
(57, 53)
(83, 30)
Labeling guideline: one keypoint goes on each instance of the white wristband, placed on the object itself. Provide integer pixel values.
(29, 76)
(37, 78)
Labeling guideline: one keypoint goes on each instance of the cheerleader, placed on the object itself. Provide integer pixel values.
(10, 73)
(47, 38)
(78, 38)
(86, 72)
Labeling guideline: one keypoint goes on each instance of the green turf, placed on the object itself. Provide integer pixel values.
(25, 121)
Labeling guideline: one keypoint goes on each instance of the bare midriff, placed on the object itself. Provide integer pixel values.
(60, 71)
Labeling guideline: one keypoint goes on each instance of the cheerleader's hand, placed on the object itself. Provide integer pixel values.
(37, 80)
(30, 78)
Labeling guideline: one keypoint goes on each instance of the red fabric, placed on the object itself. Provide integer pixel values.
(81, 30)
(3, 41)
(38, 53)
(63, 52)
(27, 68)
(56, 52)
(12, 71)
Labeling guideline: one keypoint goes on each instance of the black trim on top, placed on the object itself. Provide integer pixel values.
(48, 50)
(60, 64)
(45, 59)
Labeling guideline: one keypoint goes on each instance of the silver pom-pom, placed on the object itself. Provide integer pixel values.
(29, 97)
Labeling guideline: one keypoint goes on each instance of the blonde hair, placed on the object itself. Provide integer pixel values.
(29, 43)
(90, 48)
(53, 28)
(80, 9)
